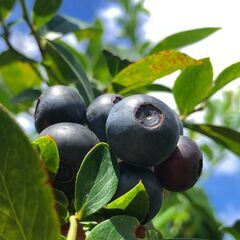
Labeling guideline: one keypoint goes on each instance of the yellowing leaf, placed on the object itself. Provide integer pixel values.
(150, 68)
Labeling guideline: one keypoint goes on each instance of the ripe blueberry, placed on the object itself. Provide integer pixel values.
(59, 104)
(130, 177)
(73, 141)
(98, 112)
(182, 168)
(142, 130)
(180, 126)
(179, 123)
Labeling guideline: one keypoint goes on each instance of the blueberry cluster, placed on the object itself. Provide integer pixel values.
(144, 134)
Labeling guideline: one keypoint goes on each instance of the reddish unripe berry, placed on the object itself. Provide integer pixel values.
(181, 170)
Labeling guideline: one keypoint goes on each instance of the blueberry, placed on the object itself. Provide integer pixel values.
(73, 141)
(142, 130)
(179, 123)
(130, 177)
(98, 112)
(180, 126)
(59, 104)
(183, 167)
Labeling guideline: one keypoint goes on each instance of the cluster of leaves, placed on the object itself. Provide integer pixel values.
(27, 203)
(25, 197)
(225, 112)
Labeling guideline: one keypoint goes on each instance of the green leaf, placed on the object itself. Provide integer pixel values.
(80, 56)
(48, 152)
(133, 203)
(13, 23)
(149, 88)
(26, 199)
(192, 86)
(88, 33)
(62, 205)
(227, 137)
(6, 7)
(100, 72)
(201, 209)
(94, 47)
(13, 72)
(208, 151)
(65, 65)
(5, 97)
(62, 238)
(9, 56)
(117, 228)
(184, 238)
(233, 230)
(183, 39)
(61, 197)
(115, 63)
(20, 102)
(210, 112)
(172, 212)
(200, 203)
(179, 210)
(226, 76)
(99, 67)
(44, 10)
(30, 94)
(153, 235)
(96, 181)
(148, 69)
(63, 213)
(61, 25)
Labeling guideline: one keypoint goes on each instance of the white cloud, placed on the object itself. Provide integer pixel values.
(26, 122)
(168, 17)
(229, 166)
(110, 12)
(70, 39)
(109, 17)
(26, 44)
(229, 215)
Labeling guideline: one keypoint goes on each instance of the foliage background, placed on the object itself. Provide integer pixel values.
(123, 28)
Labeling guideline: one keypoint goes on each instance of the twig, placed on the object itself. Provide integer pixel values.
(28, 21)
(72, 233)
(6, 36)
(198, 109)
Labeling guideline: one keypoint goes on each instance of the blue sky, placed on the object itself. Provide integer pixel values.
(84, 9)
(222, 186)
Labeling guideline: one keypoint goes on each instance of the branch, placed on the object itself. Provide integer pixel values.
(198, 109)
(28, 21)
(6, 36)
(72, 233)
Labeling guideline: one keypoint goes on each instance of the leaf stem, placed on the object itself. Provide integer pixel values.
(72, 233)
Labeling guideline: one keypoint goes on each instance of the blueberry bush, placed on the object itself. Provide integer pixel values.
(108, 161)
